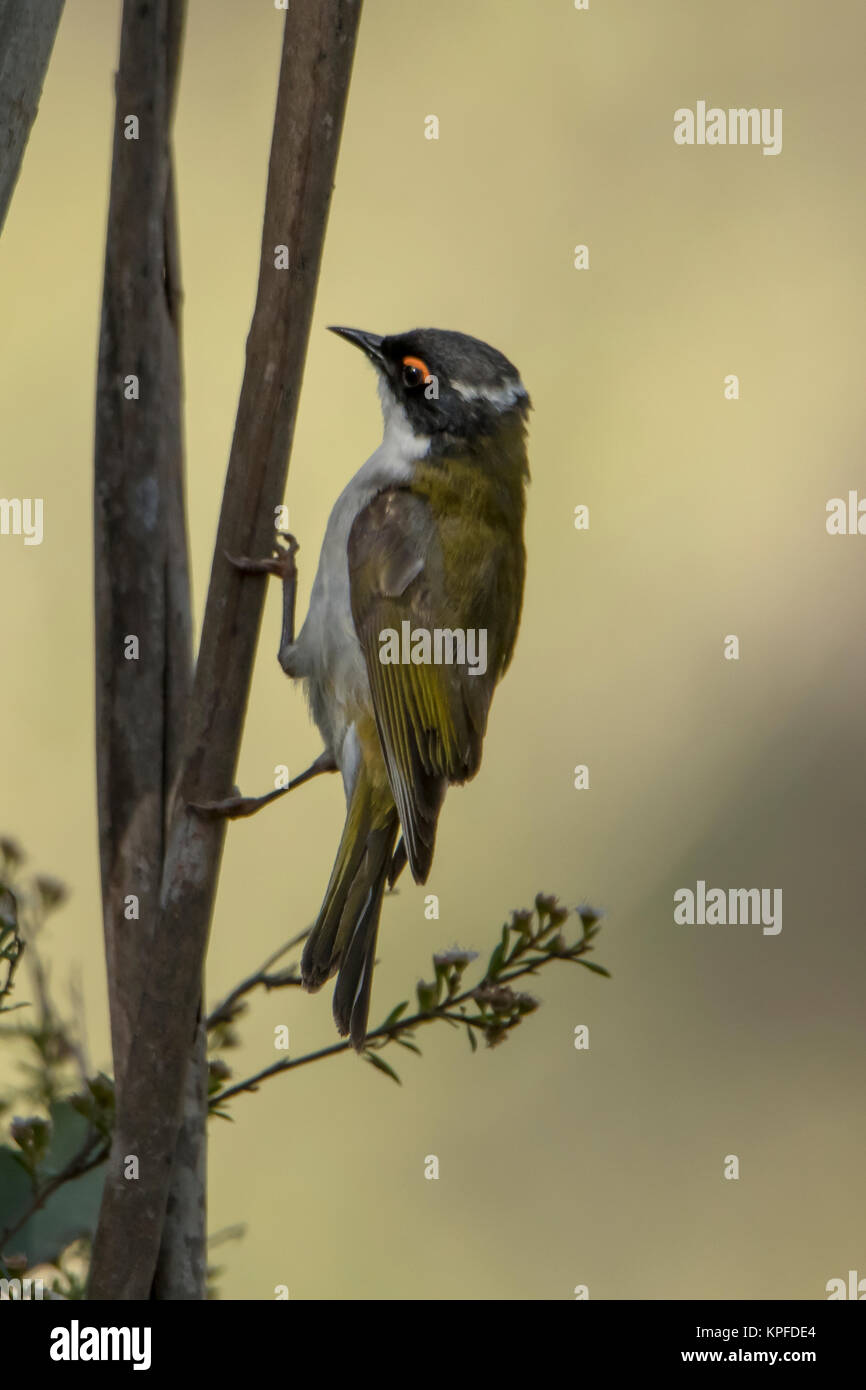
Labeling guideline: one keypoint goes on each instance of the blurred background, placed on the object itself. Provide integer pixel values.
(707, 518)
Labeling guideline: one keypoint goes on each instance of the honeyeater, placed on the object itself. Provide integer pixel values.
(426, 538)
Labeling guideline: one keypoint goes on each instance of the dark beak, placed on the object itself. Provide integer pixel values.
(371, 343)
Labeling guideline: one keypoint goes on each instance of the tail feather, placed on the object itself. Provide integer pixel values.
(344, 937)
(322, 952)
(354, 982)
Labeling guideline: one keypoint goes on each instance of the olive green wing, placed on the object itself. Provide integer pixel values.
(431, 718)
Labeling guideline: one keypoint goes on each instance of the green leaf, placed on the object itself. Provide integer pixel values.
(473, 1041)
(16, 1187)
(69, 1132)
(591, 965)
(395, 1014)
(413, 1047)
(71, 1211)
(495, 963)
(517, 947)
(382, 1065)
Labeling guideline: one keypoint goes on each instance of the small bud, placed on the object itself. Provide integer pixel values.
(495, 1033)
(224, 1036)
(51, 891)
(218, 1072)
(589, 915)
(32, 1136)
(101, 1087)
(455, 957)
(11, 851)
(544, 904)
(521, 921)
(499, 998)
(428, 996)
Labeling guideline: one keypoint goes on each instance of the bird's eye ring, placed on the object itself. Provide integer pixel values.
(415, 371)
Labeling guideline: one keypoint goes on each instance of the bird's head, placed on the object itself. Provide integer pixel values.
(445, 389)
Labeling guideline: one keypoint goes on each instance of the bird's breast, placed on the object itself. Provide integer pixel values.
(329, 655)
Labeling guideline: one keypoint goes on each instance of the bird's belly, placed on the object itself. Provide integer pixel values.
(335, 673)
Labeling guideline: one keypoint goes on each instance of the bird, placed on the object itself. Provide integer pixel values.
(423, 561)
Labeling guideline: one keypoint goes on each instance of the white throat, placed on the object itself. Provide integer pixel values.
(399, 440)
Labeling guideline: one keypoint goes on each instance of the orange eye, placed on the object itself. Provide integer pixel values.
(414, 371)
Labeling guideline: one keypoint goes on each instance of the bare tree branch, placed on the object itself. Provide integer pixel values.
(181, 1272)
(138, 470)
(27, 34)
(141, 565)
(318, 48)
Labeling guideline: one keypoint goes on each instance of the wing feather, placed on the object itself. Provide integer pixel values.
(430, 718)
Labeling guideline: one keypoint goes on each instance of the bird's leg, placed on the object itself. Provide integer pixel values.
(233, 807)
(281, 563)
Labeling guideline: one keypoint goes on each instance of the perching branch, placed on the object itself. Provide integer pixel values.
(316, 63)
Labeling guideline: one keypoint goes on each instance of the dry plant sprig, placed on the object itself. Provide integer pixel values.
(71, 1138)
(532, 939)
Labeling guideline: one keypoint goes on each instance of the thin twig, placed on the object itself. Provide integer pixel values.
(223, 1012)
(77, 1036)
(401, 1025)
(75, 1168)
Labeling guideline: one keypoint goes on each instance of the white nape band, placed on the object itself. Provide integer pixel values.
(500, 397)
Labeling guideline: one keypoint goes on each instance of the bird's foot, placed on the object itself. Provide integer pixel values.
(234, 807)
(281, 562)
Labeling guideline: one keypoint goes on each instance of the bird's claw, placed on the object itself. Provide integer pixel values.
(281, 561)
